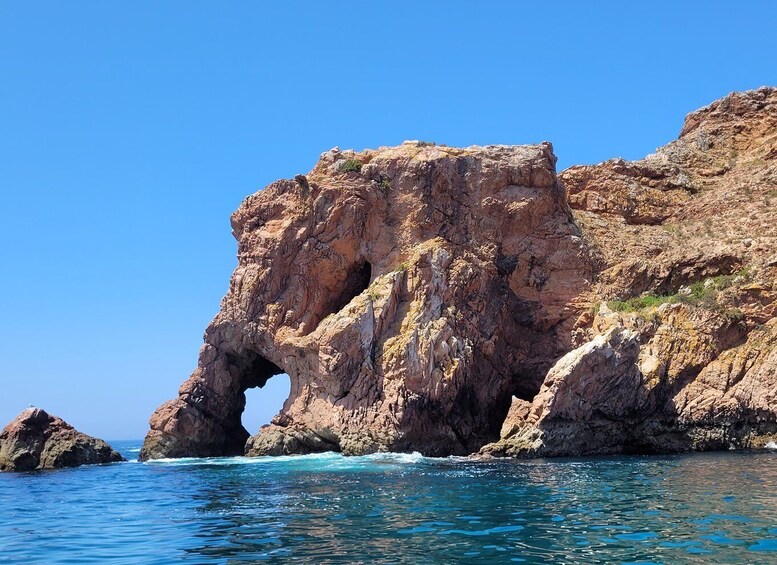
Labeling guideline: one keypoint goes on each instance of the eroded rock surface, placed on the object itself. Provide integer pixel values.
(665, 386)
(36, 440)
(416, 294)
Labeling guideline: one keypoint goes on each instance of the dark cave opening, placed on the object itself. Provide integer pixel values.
(527, 382)
(526, 390)
(356, 281)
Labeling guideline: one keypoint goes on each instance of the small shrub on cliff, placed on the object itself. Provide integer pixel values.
(644, 302)
(701, 293)
(704, 292)
(652, 301)
(352, 166)
(670, 228)
(385, 185)
(734, 315)
(374, 294)
(620, 306)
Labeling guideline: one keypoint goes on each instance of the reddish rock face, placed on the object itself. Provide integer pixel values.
(414, 294)
(695, 227)
(408, 301)
(699, 207)
(36, 440)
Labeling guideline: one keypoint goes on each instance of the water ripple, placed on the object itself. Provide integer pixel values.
(396, 508)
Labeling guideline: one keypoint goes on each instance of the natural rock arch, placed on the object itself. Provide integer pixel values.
(206, 418)
(407, 302)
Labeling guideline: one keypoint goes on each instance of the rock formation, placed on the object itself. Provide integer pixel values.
(424, 298)
(408, 292)
(36, 440)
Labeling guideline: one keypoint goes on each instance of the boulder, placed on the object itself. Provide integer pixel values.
(37, 440)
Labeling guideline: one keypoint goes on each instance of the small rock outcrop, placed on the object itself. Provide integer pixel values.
(36, 440)
(455, 300)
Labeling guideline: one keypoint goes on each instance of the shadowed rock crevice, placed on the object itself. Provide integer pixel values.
(356, 282)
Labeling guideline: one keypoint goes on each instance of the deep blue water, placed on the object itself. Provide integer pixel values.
(391, 508)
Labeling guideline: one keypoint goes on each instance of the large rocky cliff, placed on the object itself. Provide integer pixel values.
(451, 300)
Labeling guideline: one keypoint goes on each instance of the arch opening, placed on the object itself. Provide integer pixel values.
(263, 402)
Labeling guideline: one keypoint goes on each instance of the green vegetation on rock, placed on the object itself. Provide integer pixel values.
(352, 166)
(701, 293)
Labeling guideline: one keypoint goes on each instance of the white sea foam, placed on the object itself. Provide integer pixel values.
(330, 460)
(240, 460)
(389, 457)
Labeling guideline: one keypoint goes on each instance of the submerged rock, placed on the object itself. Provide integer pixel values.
(36, 440)
(436, 299)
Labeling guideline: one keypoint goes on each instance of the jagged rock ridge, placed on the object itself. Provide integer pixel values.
(415, 294)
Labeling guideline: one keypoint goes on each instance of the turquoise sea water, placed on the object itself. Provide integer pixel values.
(393, 508)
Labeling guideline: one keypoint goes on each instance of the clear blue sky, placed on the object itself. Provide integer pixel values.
(130, 131)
